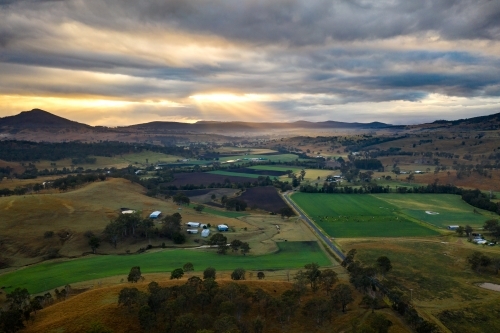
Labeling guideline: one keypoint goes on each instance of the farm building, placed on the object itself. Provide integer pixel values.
(192, 231)
(222, 227)
(205, 233)
(452, 227)
(155, 214)
(129, 211)
(193, 224)
(203, 225)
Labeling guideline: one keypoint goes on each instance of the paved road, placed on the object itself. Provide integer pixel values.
(314, 227)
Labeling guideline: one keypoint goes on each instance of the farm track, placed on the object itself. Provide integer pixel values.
(320, 234)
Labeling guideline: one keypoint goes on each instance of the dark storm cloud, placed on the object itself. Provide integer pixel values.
(331, 52)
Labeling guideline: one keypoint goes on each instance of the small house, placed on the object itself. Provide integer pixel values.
(155, 214)
(205, 233)
(193, 224)
(452, 227)
(192, 231)
(222, 227)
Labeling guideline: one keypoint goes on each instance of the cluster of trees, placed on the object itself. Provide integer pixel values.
(21, 151)
(202, 305)
(132, 225)
(220, 241)
(261, 181)
(480, 262)
(364, 279)
(21, 309)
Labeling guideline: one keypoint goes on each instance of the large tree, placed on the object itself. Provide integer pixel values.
(220, 241)
(181, 199)
(286, 212)
(135, 274)
(94, 243)
(238, 274)
(176, 274)
(171, 225)
(384, 264)
(342, 295)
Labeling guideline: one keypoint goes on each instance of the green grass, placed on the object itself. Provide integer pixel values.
(50, 275)
(275, 168)
(267, 158)
(234, 174)
(451, 208)
(355, 215)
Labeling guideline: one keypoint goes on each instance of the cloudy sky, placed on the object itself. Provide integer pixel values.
(119, 62)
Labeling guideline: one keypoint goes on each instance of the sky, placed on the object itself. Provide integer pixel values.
(120, 62)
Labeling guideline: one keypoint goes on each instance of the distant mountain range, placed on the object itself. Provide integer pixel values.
(39, 125)
(40, 119)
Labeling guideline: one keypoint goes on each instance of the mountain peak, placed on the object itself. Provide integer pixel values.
(38, 118)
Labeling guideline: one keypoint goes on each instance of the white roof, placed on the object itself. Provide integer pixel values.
(222, 226)
(130, 211)
(155, 213)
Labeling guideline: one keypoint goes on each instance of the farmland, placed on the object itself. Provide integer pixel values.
(438, 209)
(234, 174)
(261, 172)
(265, 198)
(25, 219)
(275, 168)
(203, 178)
(50, 275)
(359, 216)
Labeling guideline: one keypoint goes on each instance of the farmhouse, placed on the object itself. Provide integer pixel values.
(193, 224)
(222, 227)
(192, 231)
(155, 214)
(205, 233)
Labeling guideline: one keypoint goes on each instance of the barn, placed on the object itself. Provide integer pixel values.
(155, 214)
(193, 224)
(222, 227)
(205, 233)
(192, 231)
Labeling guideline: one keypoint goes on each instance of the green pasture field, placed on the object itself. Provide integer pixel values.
(358, 215)
(451, 209)
(272, 158)
(46, 276)
(234, 174)
(275, 168)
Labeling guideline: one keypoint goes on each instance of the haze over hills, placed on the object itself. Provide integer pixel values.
(40, 125)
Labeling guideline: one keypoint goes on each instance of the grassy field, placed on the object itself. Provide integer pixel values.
(358, 216)
(234, 174)
(275, 168)
(50, 275)
(451, 209)
(272, 158)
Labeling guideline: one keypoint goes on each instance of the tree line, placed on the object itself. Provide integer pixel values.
(204, 305)
(23, 151)
(62, 184)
